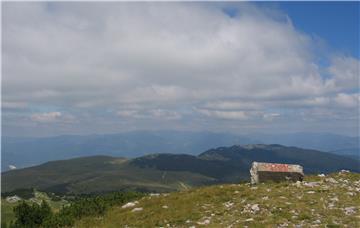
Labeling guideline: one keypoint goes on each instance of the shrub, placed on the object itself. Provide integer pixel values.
(30, 216)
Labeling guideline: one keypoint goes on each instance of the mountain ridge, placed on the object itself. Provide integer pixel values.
(166, 172)
(24, 152)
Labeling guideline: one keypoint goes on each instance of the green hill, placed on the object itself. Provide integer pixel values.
(166, 172)
(98, 174)
(330, 201)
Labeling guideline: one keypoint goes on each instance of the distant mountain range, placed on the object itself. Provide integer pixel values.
(24, 152)
(166, 172)
(338, 144)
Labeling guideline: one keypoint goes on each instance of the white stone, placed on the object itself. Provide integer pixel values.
(331, 180)
(154, 194)
(350, 210)
(13, 199)
(228, 204)
(130, 204)
(255, 207)
(137, 209)
(205, 222)
(311, 184)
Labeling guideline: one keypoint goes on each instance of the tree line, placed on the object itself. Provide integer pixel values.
(33, 215)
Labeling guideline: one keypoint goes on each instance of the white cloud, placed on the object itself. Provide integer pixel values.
(45, 94)
(227, 115)
(165, 114)
(153, 59)
(270, 116)
(232, 105)
(159, 114)
(128, 113)
(53, 117)
(347, 100)
(196, 53)
(46, 117)
(13, 105)
(345, 72)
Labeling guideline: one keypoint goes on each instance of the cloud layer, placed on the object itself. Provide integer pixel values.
(125, 66)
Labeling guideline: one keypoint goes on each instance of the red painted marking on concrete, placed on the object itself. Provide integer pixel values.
(277, 167)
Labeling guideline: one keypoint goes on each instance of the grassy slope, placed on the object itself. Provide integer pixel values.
(7, 213)
(98, 174)
(224, 205)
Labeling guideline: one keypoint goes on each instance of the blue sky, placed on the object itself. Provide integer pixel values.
(335, 22)
(272, 67)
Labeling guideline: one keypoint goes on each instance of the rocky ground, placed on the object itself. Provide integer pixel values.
(319, 201)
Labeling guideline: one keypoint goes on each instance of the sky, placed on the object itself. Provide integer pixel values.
(85, 68)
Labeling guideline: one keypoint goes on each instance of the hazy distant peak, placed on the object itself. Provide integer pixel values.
(262, 146)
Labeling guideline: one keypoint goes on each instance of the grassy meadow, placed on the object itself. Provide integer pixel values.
(331, 201)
